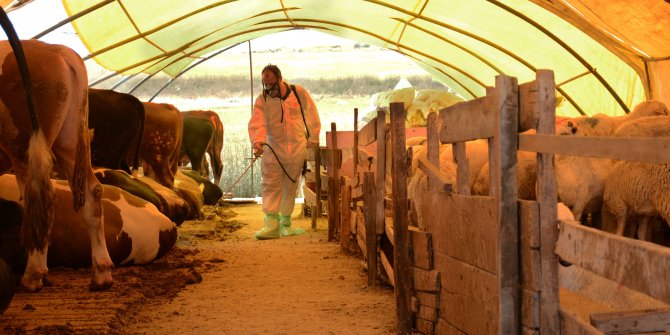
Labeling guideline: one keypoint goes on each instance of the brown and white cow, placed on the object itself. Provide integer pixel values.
(161, 142)
(189, 190)
(135, 231)
(61, 96)
(216, 147)
(166, 200)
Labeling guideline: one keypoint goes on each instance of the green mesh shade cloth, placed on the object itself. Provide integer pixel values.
(601, 52)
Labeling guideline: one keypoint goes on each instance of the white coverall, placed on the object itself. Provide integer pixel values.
(287, 136)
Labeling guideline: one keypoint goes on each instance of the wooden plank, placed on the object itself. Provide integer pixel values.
(642, 321)
(471, 236)
(426, 280)
(642, 149)
(617, 258)
(317, 180)
(345, 217)
(368, 133)
(434, 124)
(443, 327)
(530, 309)
(370, 195)
(324, 183)
(421, 249)
(462, 169)
(467, 121)
(439, 178)
(386, 264)
(572, 324)
(309, 195)
(333, 214)
(529, 224)
(380, 175)
(427, 313)
(330, 156)
(428, 299)
(401, 265)
(546, 197)
(360, 239)
(353, 221)
(528, 105)
(505, 139)
(425, 327)
(357, 180)
(468, 296)
(530, 275)
(492, 170)
(388, 229)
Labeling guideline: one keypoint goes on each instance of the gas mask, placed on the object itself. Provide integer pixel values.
(272, 91)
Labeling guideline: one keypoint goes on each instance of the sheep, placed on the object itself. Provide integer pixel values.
(639, 187)
(580, 181)
(563, 213)
(418, 183)
(525, 173)
(603, 125)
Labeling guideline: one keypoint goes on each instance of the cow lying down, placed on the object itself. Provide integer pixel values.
(135, 231)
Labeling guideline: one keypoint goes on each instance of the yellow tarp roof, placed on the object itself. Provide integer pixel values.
(601, 51)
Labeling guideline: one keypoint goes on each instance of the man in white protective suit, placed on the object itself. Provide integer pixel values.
(284, 123)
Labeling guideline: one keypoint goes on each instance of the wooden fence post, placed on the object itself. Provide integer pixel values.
(333, 185)
(434, 125)
(370, 215)
(357, 181)
(380, 176)
(402, 267)
(505, 139)
(546, 196)
(345, 215)
(317, 183)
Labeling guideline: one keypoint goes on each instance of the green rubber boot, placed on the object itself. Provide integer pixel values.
(285, 226)
(271, 229)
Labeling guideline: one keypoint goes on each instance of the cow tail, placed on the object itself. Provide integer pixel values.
(136, 159)
(39, 194)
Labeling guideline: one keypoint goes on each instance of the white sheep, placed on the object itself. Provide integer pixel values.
(579, 181)
(604, 125)
(638, 187)
(526, 176)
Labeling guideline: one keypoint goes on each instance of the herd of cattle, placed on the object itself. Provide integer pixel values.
(53, 165)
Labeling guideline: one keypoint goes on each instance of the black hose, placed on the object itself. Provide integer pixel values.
(278, 161)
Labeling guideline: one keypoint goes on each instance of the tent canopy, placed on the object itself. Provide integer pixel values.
(605, 54)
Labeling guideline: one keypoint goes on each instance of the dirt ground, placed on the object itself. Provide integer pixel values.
(218, 280)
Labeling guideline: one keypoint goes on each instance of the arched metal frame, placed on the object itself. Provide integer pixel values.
(405, 23)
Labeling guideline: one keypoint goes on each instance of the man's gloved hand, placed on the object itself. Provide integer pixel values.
(258, 149)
